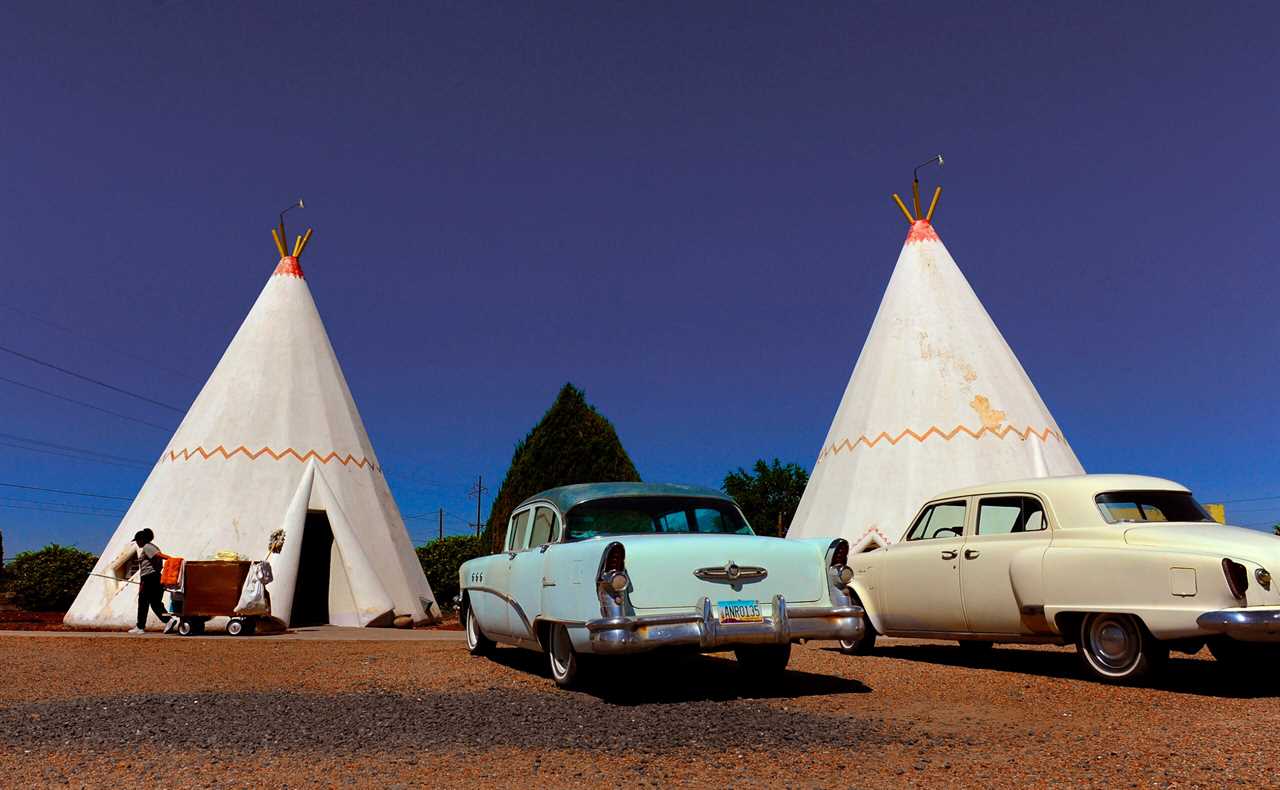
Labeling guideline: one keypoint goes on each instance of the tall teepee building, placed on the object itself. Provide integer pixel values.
(937, 400)
(274, 441)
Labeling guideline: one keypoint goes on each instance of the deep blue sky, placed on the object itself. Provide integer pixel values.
(681, 208)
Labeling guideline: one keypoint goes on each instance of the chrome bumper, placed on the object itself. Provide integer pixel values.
(702, 630)
(1258, 625)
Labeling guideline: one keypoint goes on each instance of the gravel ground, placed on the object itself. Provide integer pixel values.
(99, 712)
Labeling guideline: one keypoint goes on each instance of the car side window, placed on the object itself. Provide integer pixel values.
(1009, 515)
(518, 533)
(943, 520)
(676, 521)
(545, 527)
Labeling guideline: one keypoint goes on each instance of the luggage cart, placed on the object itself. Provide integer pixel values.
(211, 588)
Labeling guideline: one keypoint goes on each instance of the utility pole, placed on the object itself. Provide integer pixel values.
(478, 492)
(441, 523)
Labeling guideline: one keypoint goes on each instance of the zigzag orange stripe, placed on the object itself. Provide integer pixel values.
(844, 444)
(348, 459)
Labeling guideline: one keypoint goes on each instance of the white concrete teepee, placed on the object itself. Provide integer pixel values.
(937, 400)
(274, 441)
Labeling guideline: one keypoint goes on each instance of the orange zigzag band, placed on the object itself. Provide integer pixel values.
(187, 455)
(934, 430)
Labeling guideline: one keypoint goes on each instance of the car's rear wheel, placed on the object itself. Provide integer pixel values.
(477, 642)
(1117, 648)
(764, 662)
(563, 659)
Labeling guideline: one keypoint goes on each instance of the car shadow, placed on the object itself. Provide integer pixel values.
(1200, 676)
(659, 678)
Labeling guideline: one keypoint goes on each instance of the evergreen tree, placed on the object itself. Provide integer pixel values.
(572, 443)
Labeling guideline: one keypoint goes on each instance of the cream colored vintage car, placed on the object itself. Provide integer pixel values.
(1127, 568)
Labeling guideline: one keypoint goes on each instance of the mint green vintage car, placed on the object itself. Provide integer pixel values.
(615, 568)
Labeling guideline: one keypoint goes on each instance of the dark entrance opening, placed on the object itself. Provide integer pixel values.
(311, 595)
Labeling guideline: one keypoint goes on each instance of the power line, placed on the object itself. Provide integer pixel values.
(98, 341)
(1254, 499)
(73, 457)
(83, 377)
(58, 510)
(86, 405)
(69, 448)
(64, 491)
(92, 509)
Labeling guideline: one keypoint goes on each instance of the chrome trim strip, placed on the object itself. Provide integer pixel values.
(515, 606)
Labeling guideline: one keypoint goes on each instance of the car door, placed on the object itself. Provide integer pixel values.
(528, 572)
(1007, 530)
(491, 601)
(921, 581)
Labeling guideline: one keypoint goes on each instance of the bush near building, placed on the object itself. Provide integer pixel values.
(768, 494)
(440, 562)
(49, 579)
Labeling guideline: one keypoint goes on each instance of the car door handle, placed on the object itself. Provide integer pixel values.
(950, 554)
(970, 554)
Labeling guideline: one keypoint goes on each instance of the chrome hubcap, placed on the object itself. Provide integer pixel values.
(471, 630)
(1113, 643)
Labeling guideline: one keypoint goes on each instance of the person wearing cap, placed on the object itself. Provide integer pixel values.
(150, 561)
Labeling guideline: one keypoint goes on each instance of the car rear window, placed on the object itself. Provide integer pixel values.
(650, 515)
(1126, 507)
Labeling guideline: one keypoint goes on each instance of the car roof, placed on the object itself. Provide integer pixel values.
(1070, 496)
(1070, 485)
(566, 497)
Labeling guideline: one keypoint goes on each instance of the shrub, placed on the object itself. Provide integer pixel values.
(440, 562)
(768, 494)
(48, 580)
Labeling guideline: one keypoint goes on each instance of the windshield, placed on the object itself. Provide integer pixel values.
(1125, 507)
(652, 515)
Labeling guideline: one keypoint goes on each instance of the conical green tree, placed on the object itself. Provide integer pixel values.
(572, 443)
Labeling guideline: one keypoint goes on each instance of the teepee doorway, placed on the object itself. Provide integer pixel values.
(311, 595)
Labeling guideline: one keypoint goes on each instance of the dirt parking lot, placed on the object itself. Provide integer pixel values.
(264, 711)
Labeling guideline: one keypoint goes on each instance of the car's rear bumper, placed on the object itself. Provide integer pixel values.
(702, 630)
(1246, 625)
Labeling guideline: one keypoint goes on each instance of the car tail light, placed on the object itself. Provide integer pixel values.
(613, 573)
(615, 557)
(1237, 577)
(840, 556)
(840, 570)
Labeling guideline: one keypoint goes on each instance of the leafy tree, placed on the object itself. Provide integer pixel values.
(440, 562)
(48, 580)
(768, 495)
(1276, 529)
(572, 443)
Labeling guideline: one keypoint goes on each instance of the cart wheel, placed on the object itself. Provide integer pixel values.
(186, 628)
(235, 627)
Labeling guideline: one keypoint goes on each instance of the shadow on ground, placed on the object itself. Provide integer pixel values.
(1185, 674)
(657, 678)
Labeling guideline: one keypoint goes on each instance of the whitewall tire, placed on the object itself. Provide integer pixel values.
(477, 643)
(561, 657)
(1117, 648)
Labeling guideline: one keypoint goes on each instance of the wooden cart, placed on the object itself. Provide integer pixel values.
(211, 588)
